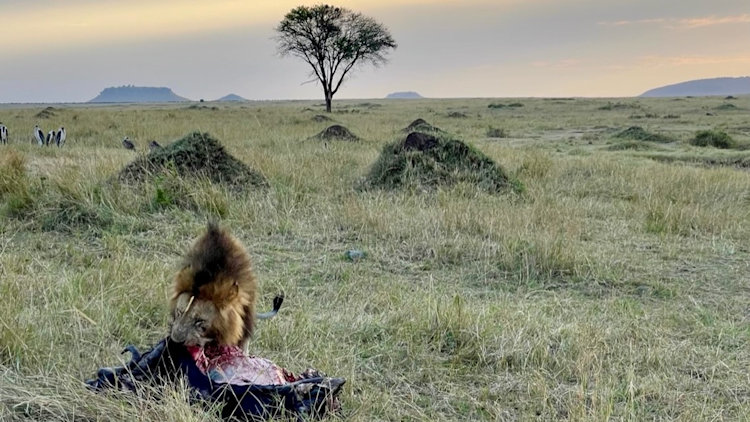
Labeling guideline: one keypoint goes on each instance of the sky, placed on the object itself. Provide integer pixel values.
(69, 51)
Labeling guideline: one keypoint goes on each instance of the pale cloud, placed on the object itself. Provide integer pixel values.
(713, 20)
(558, 64)
(684, 23)
(633, 22)
(693, 60)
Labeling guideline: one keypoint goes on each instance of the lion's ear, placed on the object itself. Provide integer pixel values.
(234, 290)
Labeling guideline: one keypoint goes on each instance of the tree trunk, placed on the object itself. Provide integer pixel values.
(329, 98)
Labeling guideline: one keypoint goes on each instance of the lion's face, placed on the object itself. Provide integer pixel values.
(193, 322)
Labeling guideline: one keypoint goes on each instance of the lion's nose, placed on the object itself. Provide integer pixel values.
(178, 336)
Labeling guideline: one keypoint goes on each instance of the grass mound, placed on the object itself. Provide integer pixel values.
(727, 106)
(494, 132)
(618, 106)
(420, 125)
(336, 133)
(197, 154)
(46, 113)
(429, 160)
(637, 133)
(201, 107)
(713, 138)
(501, 105)
(319, 118)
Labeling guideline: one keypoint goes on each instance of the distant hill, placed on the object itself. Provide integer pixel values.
(703, 87)
(403, 95)
(137, 94)
(231, 97)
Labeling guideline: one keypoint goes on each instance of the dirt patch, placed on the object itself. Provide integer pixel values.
(46, 113)
(197, 154)
(336, 133)
(428, 160)
(637, 133)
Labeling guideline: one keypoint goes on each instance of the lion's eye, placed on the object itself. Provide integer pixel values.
(200, 324)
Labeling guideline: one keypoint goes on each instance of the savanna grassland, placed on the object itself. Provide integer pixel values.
(614, 286)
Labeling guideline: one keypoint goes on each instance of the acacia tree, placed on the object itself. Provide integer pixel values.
(332, 40)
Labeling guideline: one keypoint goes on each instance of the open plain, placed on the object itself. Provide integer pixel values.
(614, 285)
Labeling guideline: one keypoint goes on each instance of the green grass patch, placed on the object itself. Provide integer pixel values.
(70, 214)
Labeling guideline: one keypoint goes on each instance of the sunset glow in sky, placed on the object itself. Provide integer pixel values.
(68, 51)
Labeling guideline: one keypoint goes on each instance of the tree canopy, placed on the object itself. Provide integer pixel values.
(333, 40)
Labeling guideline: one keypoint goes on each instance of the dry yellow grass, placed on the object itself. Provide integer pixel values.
(613, 287)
